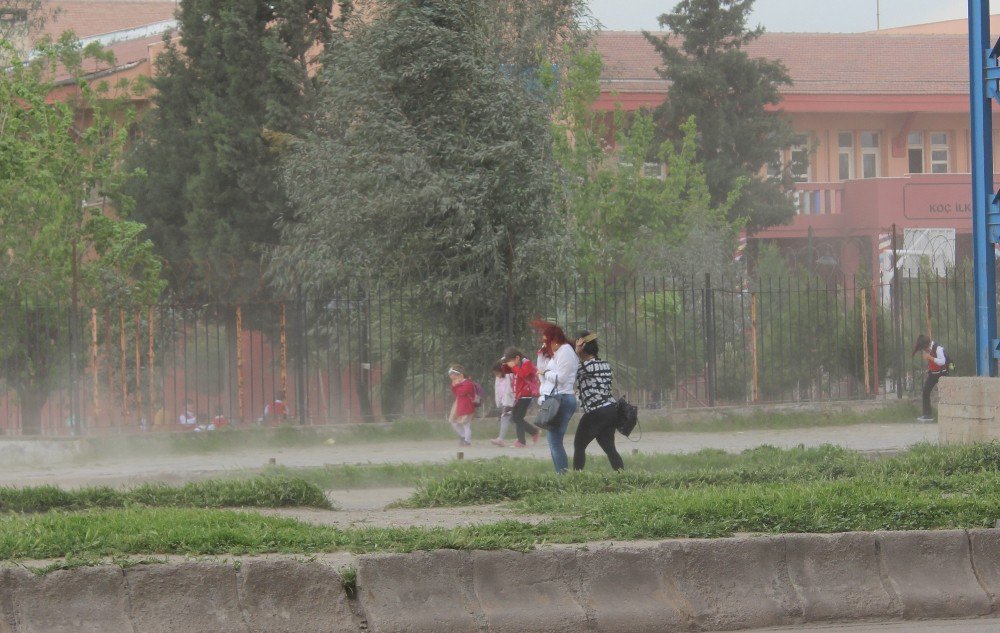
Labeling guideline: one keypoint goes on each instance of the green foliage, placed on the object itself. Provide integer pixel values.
(261, 492)
(713, 79)
(227, 96)
(624, 215)
(59, 252)
(430, 168)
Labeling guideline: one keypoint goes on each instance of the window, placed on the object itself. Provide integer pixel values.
(845, 142)
(915, 152)
(940, 154)
(870, 155)
(798, 159)
(792, 162)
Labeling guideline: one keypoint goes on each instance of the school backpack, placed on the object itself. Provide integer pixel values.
(477, 394)
(949, 363)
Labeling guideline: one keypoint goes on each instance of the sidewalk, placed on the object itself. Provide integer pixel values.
(189, 467)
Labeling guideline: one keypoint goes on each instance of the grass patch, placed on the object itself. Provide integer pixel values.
(707, 494)
(259, 492)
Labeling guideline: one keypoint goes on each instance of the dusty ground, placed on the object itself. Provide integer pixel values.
(368, 507)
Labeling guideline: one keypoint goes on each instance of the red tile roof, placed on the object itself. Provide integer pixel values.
(818, 63)
(87, 18)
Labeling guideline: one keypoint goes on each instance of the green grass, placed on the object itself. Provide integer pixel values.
(259, 492)
(707, 494)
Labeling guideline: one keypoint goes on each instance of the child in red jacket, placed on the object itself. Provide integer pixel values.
(464, 406)
(525, 390)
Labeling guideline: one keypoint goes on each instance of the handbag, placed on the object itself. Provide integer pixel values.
(628, 416)
(547, 410)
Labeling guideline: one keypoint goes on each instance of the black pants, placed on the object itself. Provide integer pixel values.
(598, 424)
(929, 383)
(521, 426)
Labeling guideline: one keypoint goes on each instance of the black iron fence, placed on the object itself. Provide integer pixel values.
(381, 354)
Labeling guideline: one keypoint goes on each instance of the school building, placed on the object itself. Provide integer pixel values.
(883, 119)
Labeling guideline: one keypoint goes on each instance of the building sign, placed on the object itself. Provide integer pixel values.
(937, 201)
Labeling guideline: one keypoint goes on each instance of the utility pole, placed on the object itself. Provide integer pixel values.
(878, 16)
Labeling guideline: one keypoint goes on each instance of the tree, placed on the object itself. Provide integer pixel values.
(430, 169)
(728, 92)
(625, 216)
(62, 248)
(226, 99)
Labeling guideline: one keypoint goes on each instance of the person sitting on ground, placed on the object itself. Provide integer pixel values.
(277, 412)
(188, 420)
(219, 421)
(937, 366)
(593, 383)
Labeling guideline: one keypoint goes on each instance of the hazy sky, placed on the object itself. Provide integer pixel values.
(793, 15)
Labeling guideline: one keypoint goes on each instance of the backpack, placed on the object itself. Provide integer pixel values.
(477, 394)
(949, 363)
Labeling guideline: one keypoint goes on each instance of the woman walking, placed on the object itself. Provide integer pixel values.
(557, 365)
(593, 383)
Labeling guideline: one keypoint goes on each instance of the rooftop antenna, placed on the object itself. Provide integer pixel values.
(878, 17)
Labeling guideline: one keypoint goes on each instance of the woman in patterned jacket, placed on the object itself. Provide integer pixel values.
(593, 383)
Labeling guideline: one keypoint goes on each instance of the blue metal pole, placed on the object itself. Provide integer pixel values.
(985, 206)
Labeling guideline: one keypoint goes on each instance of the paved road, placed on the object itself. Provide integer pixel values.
(185, 467)
(937, 626)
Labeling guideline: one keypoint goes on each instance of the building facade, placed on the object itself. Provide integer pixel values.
(883, 119)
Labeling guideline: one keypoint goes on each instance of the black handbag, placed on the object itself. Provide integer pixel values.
(628, 416)
(547, 410)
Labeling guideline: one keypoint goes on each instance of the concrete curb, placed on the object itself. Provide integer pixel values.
(677, 585)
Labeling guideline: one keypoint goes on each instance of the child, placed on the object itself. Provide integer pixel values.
(937, 365)
(464, 406)
(277, 412)
(503, 393)
(525, 390)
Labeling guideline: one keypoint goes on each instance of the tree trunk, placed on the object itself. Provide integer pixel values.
(31, 400)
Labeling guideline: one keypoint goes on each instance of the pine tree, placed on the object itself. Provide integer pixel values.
(729, 93)
(226, 99)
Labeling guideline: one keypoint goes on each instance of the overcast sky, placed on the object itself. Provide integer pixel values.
(793, 15)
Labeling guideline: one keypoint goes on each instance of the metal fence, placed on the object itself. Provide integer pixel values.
(382, 354)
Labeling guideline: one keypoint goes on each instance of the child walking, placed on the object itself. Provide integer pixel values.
(503, 393)
(464, 406)
(525, 390)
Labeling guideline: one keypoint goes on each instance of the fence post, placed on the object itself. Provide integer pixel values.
(864, 342)
(753, 342)
(301, 401)
(897, 315)
(708, 322)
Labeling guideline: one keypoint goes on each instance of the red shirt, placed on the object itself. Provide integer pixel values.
(526, 382)
(465, 394)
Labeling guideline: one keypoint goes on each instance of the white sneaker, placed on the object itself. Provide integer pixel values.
(924, 419)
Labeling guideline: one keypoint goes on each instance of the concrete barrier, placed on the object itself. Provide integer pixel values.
(184, 597)
(932, 574)
(279, 596)
(968, 410)
(839, 577)
(84, 600)
(630, 584)
(677, 585)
